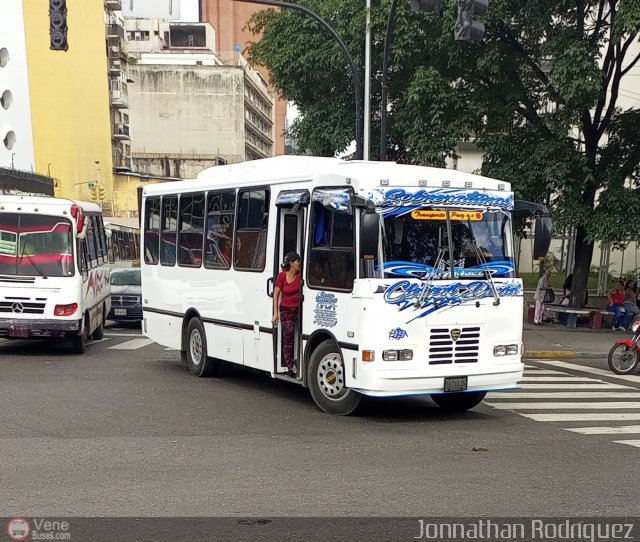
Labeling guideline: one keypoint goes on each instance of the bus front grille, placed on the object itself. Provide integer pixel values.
(21, 307)
(454, 345)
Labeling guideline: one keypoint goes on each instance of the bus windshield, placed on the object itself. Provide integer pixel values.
(416, 245)
(36, 245)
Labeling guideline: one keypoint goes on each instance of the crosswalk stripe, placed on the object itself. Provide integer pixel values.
(133, 344)
(539, 372)
(635, 443)
(558, 379)
(511, 395)
(584, 417)
(596, 405)
(109, 334)
(91, 342)
(171, 350)
(591, 370)
(614, 430)
(578, 386)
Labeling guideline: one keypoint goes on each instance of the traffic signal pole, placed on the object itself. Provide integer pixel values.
(357, 87)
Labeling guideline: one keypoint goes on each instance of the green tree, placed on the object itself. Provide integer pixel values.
(540, 96)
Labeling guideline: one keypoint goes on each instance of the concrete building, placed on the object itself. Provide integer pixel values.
(230, 18)
(189, 111)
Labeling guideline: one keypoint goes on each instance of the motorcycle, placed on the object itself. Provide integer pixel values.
(624, 356)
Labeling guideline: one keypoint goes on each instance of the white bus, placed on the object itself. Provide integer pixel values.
(408, 277)
(54, 271)
(123, 243)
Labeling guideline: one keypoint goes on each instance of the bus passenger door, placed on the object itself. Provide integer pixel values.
(290, 238)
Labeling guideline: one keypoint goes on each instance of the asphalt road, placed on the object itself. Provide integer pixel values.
(125, 431)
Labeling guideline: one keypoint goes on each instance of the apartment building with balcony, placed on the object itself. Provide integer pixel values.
(118, 59)
(188, 110)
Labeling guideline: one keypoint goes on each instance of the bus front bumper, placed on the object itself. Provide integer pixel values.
(26, 329)
(394, 385)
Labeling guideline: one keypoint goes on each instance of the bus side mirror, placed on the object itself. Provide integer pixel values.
(369, 235)
(542, 238)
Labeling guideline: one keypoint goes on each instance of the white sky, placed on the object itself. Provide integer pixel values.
(189, 11)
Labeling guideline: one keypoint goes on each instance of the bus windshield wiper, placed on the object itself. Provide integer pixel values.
(40, 271)
(483, 261)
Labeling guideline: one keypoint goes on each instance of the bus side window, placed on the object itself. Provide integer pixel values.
(90, 243)
(191, 230)
(169, 230)
(251, 230)
(332, 256)
(82, 258)
(151, 231)
(219, 224)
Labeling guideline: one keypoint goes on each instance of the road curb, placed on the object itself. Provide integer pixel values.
(549, 354)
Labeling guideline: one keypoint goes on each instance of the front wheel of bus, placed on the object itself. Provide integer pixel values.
(79, 341)
(196, 342)
(327, 381)
(458, 402)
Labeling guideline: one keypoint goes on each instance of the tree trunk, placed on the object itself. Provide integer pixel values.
(583, 255)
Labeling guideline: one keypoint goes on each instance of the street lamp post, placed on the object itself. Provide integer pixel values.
(354, 72)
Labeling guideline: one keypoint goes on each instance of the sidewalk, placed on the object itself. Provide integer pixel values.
(559, 342)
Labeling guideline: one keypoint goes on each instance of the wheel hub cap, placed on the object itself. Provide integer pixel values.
(330, 377)
(195, 344)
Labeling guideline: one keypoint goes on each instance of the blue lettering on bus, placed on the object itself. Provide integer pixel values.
(501, 268)
(436, 297)
(398, 201)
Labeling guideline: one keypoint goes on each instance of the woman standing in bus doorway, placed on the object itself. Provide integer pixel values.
(286, 297)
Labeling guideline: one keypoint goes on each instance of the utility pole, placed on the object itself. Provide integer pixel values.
(367, 85)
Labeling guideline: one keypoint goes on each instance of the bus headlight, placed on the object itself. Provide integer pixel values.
(397, 355)
(505, 350)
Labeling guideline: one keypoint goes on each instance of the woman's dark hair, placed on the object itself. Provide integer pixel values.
(289, 258)
(568, 282)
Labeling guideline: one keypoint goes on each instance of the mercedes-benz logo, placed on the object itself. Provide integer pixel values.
(18, 308)
(455, 334)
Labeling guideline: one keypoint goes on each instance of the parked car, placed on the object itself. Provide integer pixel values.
(126, 295)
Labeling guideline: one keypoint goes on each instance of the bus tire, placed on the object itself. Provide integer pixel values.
(199, 363)
(326, 377)
(98, 333)
(458, 402)
(79, 340)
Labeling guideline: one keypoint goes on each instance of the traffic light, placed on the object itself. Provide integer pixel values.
(58, 25)
(428, 7)
(102, 192)
(467, 28)
(94, 192)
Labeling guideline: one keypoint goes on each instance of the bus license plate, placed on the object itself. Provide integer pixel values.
(455, 383)
(120, 312)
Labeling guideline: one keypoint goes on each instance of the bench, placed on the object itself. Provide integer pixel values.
(595, 317)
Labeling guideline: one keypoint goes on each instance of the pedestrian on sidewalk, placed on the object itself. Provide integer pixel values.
(615, 304)
(630, 307)
(541, 291)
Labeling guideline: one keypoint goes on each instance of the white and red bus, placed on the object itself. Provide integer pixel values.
(54, 269)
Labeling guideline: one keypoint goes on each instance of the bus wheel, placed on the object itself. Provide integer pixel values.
(79, 341)
(327, 381)
(98, 333)
(196, 342)
(458, 402)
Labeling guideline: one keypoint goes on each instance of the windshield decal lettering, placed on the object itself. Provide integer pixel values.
(398, 201)
(422, 271)
(435, 297)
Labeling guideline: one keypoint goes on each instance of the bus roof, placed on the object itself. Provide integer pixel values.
(10, 203)
(364, 175)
